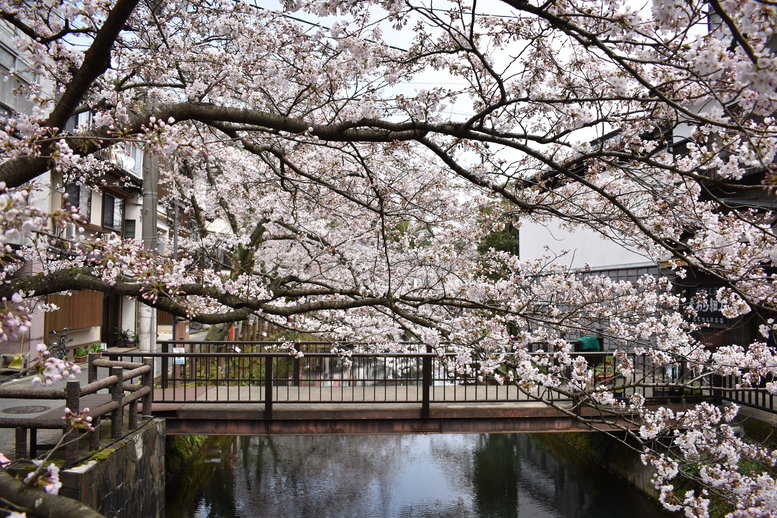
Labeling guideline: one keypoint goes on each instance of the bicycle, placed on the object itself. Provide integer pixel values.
(58, 343)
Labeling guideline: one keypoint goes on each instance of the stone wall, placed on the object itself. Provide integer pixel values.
(126, 479)
(609, 453)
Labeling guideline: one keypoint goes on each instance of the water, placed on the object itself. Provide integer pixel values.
(405, 476)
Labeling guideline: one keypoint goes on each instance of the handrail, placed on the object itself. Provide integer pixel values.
(109, 381)
(272, 354)
(287, 377)
(31, 393)
(281, 377)
(72, 394)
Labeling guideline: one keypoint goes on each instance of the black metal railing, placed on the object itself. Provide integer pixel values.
(312, 376)
(730, 389)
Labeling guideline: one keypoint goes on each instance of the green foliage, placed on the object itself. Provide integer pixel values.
(125, 335)
(81, 351)
(505, 240)
(242, 371)
(185, 445)
(100, 455)
(181, 452)
(607, 368)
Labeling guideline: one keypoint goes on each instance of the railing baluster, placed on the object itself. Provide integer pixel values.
(296, 369)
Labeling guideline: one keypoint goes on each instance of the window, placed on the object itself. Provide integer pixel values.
(113, 212)
(129, 228)
(80, 198)
(12, 83)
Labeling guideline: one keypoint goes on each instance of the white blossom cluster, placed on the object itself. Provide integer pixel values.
(327, 188)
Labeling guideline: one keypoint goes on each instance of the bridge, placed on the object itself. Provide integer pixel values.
(253, 388)
(249, 388)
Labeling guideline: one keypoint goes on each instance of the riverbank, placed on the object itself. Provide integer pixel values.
(624, 462)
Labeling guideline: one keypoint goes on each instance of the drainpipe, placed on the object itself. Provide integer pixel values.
(147, 318)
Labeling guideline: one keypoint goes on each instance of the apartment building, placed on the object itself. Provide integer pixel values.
(112, 206)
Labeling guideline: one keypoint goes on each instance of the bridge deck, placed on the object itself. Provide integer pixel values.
(241, 410)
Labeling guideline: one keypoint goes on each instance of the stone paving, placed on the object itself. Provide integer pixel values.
(27, 408)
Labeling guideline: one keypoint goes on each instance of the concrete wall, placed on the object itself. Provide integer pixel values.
(576, 249)
(609, 453)
(125, 479)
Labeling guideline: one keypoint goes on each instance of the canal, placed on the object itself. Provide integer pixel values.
(406, 476)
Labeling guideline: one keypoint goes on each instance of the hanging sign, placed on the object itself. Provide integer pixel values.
(707, 306)
(179, 360)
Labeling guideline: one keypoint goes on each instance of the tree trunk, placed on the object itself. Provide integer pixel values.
(217, 332)
(36, 502)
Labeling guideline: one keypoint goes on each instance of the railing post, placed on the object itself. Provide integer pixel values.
(92, 369)
(295, 376)
(72, 402)
(268, 387)
(165, 349)
(426, 385)
(94, 436)
(117, 394)
(33, 443)
(717, 389)
(133, 415)
(148, 381)
(21, 442)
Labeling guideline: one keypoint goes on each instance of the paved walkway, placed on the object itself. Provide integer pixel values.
(27, 408)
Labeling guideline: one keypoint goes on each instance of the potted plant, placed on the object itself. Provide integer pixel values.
(125, 337)
(80, 353)
(605, 371)
(608, 373)
(97, 349)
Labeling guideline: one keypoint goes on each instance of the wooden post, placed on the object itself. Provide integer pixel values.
(133, 415)
(92, 369)
(117, 394)
(21, 443)
(33, 443)
(268, 387)
(94, 436)
(148, 381)
(72, 402)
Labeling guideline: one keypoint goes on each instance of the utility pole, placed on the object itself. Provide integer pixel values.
(147, 316)
(175, 258)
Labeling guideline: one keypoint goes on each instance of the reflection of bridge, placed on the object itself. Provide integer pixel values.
(249, 388)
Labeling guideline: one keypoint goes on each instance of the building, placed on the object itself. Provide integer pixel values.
(87, 317)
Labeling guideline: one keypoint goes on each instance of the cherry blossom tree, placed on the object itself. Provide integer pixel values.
(350, 202)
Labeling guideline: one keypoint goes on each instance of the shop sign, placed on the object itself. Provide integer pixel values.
(708, 308)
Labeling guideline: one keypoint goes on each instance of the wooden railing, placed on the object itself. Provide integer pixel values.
(121, 393)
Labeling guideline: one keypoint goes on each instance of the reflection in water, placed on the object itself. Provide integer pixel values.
(428, 476)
